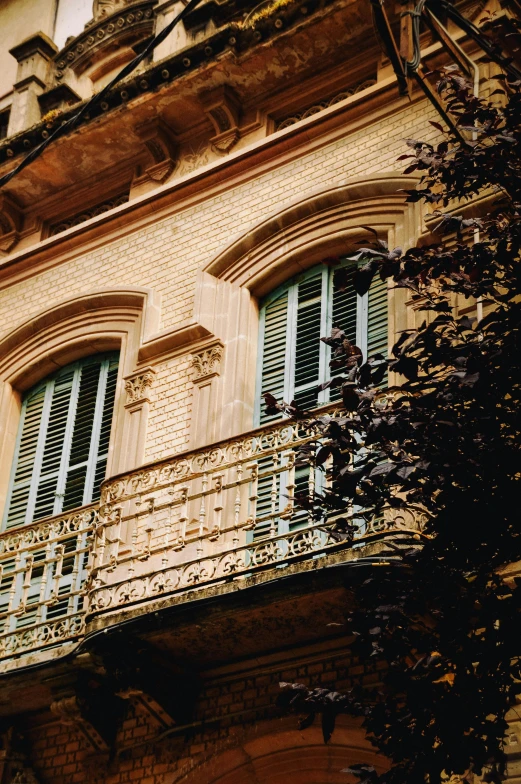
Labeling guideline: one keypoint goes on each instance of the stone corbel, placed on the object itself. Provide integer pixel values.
(149, 705)
(222, 109)
(10, 223)
(161, 147)
(71, 714)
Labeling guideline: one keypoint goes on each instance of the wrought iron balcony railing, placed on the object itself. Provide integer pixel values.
(43, 569)
(216, 514)
(202, 518)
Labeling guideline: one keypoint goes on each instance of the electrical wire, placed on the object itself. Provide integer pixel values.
(73, 121)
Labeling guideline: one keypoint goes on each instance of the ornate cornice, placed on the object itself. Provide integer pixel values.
(138, 385)
(207, 363)
(166, 72)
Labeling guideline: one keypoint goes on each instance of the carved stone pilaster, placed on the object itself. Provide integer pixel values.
(161, 148)
(222, 109)
(207, 363)
(138, 385)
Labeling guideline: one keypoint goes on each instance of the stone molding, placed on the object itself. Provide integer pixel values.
(207, 363)
(37, 44)
(138, 386)
(325, 223)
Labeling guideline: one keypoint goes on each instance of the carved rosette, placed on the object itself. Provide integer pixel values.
(138, 385)
(207, 363)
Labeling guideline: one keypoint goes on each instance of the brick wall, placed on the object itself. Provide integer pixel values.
(234, 709)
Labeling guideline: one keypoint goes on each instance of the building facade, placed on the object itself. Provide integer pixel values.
(163, 263)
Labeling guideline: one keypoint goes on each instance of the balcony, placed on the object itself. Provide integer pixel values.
(184, 527)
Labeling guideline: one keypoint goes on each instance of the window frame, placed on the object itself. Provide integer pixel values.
(48, 384)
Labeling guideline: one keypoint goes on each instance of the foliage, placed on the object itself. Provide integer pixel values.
(444, 623)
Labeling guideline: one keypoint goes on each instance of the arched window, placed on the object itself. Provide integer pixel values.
(293, 361)
(63, 439)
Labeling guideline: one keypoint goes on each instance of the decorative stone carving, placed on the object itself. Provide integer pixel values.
(137, 386)
(206, 363)
(10, 223)
(114, 21)
(162, 149)
(222, 108)
(194, 158)
(103, 8)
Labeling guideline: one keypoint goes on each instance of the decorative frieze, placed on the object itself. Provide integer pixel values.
(322, 105)
(138, 385)
(207, 363)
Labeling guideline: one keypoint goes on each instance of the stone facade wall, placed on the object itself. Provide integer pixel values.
(164, 256)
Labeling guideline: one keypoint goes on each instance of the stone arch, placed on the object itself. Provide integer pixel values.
(99, 321)
(287, 756)
(324, 223)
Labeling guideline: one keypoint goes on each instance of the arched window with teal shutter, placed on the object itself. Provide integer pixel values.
(63, 440)
(293, 361)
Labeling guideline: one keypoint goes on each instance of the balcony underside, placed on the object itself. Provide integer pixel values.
(229, 624)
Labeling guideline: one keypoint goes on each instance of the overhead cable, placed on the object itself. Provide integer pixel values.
(73, 121)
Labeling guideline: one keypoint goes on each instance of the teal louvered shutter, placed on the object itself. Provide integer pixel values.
(293, 362)
(62, 447)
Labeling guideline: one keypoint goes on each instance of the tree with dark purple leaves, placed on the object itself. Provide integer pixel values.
(442, 618)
